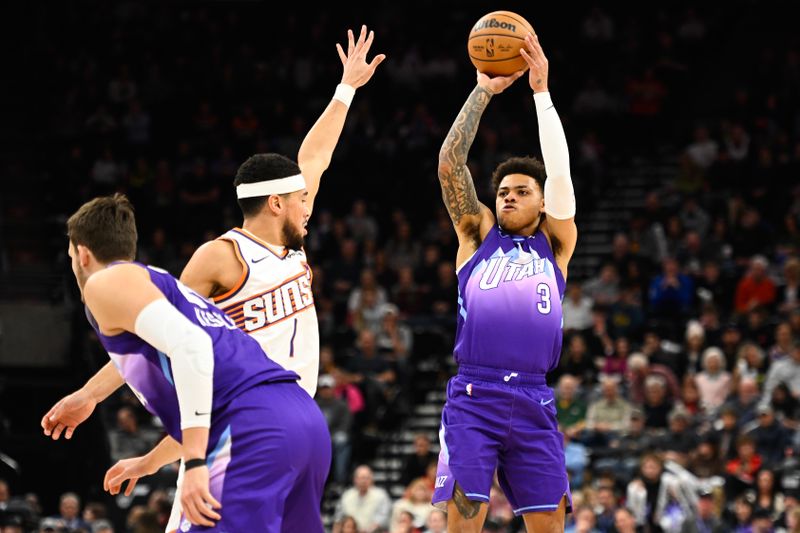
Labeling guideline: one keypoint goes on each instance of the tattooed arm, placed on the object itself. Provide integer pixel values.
(471, 219)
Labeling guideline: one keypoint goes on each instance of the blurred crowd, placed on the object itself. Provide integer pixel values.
(679, 383)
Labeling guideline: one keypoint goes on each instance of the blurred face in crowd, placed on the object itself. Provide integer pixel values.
(422, 445)
(519, 202)
(651, 469)
(349, 525)
(69, 507)
(437, 522)
(743, 510)
(765, 481)
(566, 388)
(605, 498)
(783, 334)
(362, 478)
(624, 521)
(705, 507)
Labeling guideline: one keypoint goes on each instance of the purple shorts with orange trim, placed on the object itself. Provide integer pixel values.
(505, 421)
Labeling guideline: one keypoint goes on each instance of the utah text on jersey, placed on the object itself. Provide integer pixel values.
(274, 305)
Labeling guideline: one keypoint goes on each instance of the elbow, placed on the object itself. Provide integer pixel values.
(444, 169)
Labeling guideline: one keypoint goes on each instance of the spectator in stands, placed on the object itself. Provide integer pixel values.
(577, 361)
(639, 368)
(680, 440)
(368, 283)
(577, 309)
(69, 511)
(755, 288)
(415, 464)
(714, 382)
(649, 495)
(750, 363)
(783, 342)
(704, 460)
(785, 406)
(788, 293)
(416, 501)
(705, 519)
(690, 395)
(585, 521)
(656, 403)
(671, 293)
(394, 337)
(770, 437)
(745, 401)
(570, 407)
(742, 469)
(625, 521)
(361, 224)
(626, 317)
(347, 524)
(766, 495)
(372, 372)
(437, 522)
(615, 364)
(369, 505)
(127, 440)
(610, 415)
(605, 509)
(339, 420)
(603, 289)
(786, 370)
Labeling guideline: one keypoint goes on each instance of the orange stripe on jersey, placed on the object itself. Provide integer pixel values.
(243, 232)
(293, 315)
(245, 272)
(232, 308)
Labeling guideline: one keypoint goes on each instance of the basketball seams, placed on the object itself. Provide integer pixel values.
(481, 35)
(494, 60)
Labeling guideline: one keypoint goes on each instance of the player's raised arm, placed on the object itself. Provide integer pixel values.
(471, 219)
(559, 195)
(317, 148)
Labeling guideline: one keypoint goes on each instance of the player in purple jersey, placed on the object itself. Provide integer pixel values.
(500, 415)
(248, 433)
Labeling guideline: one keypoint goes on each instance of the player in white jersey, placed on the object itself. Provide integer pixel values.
(257, 274)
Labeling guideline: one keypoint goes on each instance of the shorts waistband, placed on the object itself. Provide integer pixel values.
(499, 375)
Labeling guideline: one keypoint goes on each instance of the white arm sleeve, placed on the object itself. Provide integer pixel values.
(192, 356)
(559, 195)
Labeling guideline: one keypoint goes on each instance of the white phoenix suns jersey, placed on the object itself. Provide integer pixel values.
(273, 303)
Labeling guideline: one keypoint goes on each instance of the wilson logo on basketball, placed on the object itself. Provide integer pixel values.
(277, 304)
(492, 24)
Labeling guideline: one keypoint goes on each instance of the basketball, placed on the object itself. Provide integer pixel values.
(494, 43)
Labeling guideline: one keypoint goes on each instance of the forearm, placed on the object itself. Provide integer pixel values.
(458, 190)
(195, 443)
(165, 452)
(559, 193)
(317, 148)
(103, 383)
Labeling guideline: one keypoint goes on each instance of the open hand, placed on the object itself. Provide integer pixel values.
(196, 500)
(498, 84)
(537, 63)
(67, 414)
(357, 71)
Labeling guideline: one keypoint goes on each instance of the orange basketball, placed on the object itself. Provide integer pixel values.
(494, 43)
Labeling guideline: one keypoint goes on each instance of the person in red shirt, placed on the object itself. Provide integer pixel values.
(755, 288)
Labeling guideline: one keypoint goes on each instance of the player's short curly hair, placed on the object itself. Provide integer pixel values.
(262, 167)
(529, 166)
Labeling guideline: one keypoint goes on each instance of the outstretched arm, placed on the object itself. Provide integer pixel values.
(471, 219)
(317, 148)
(559, 195)
(72, 410)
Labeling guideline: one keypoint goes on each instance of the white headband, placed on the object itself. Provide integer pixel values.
(266, 188)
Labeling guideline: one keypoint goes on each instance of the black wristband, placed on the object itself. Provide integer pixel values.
(193, 463)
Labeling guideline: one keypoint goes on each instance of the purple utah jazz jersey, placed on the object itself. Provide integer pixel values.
(509, 305)
(239, 361)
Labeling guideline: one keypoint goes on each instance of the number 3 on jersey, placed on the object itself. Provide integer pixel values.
(544, 302)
